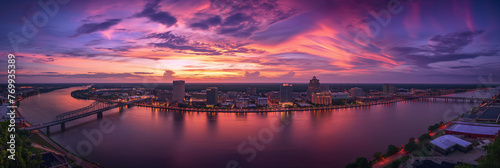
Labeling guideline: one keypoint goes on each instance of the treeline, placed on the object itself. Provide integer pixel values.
(26, 156)
(435, 126)
(412, 146)
(81, 94)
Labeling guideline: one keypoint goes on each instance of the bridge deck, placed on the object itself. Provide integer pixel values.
(79, 114)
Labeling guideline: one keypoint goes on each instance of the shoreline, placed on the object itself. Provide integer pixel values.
(86, 163)
(77, 159)
(268, 110)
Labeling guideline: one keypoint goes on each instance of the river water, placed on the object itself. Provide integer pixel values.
(147, 137)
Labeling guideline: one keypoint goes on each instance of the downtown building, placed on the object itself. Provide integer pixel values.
(340, 95)
(286, 95)
(388, 89)
(262, 101)
(251, 91)
(313, 87)
(357, 92)
(322, 98)
(179, 90)
(212, 96)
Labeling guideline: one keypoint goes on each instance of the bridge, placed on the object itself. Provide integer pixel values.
(446, 98)
(95, 108)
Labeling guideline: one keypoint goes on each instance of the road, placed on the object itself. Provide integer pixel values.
(387, 161)
(63, 152)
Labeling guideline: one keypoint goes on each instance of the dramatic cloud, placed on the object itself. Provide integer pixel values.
(168, 37)
(93, 27)
(205, 24)
(120, 48)
(442, 49)
(244, 18)
(43, 60)
(254, 41)
(89, 75)
(168, 75)
(237, 19)
(288, 75)
(181, 43)
(252, 75)
(282, 31)
(452, 42)
(184, 47)
(143, 73)
(151, 12)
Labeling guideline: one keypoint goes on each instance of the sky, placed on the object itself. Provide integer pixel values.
(251, 41)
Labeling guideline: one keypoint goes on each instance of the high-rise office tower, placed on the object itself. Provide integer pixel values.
(179, 91)
(212, 96)
(313, 87)
(388, 89)
(286, 93)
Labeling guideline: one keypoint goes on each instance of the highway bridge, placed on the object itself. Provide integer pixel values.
(446, 98)
(95, 108)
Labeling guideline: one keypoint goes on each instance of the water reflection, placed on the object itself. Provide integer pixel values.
(169, 138)
(241, 116)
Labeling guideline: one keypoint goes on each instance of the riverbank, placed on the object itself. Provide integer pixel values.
(267, 110)
(423, 151)
(54, 147)
(220, 133)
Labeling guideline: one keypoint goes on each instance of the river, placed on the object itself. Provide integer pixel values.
(147, 137)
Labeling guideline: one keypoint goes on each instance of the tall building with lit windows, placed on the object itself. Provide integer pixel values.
(179, 91)
(212, 96)
(313, 87)
(388, 89)
(322, 98)
(286, 93)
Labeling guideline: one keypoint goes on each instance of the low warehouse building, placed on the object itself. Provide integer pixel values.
(491, 115)
(473, 130)
(448, 143)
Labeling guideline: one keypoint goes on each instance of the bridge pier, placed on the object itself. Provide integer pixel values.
(48, 130)
(99, 115)
(63, 126)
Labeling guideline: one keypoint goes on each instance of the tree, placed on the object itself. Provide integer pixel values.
(362, 162)
(351, 165)
(424, 137)
(395, 164)
(377, 156)
(411, 146)
(430, 128)
(433, 127)
(492, 158)
(463, 165)
(24, 150)
(391, 150)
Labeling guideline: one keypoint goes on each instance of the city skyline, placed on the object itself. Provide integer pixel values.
(253, 42)
(250, 83)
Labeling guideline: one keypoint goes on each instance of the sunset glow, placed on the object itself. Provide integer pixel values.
(256, 41)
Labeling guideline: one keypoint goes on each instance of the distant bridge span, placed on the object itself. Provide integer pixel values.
(95, 108)
(452, 98)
